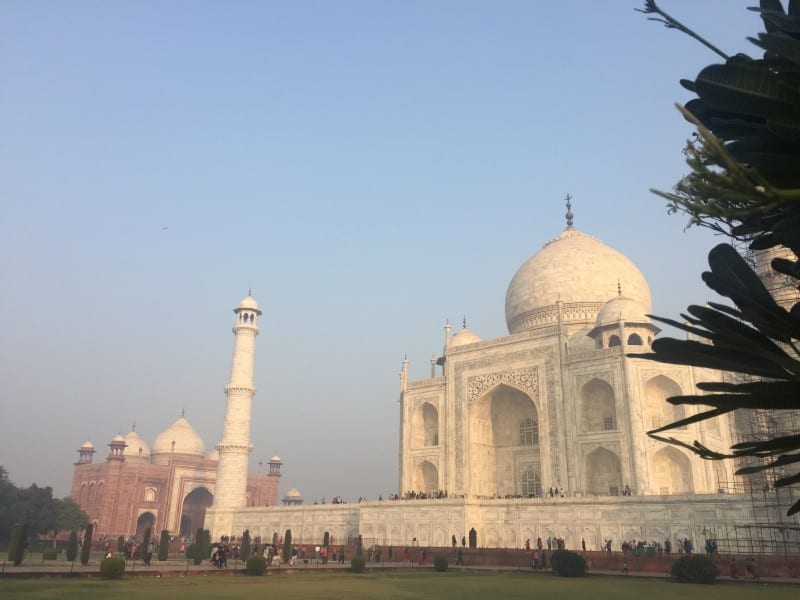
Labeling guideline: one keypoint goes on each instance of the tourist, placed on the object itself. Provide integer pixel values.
(455, 543)
(536, 559)
(750, 568)
(460, 557)
(733, 568)
(341, 555)
(583, 544)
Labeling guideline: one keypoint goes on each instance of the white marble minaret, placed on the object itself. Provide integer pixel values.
(235, 447)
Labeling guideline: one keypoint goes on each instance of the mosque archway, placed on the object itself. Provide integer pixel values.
(598, 410)
(659, 411)
(194, 509)
(426, 477)
(672, 472)
(425, 426)
(504, 434)
(603, 473)
(144, 521)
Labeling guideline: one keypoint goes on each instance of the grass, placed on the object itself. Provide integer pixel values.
(385, 586)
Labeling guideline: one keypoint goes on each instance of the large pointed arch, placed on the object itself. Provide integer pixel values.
(503, 433)
(672, 472)
(603, 473)
(659, 411)
(425, 426)
(426, 477)
(598, 408)
(194, 508)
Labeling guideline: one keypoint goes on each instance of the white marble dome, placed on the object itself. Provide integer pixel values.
(275, 459)
(462, 337)
(624, 309)
(574, 268)
(248, 302)
(293, 494)
(187, 440)
(87, 445)
(134, 442)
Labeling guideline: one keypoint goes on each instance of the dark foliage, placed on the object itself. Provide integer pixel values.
(566, 563)
(244, 550)
(358, 564)
(86, 549)
(18, 543)
(695, 568)
(72, 546)
(112, 567)
(287, 546)
(256, 565)
(163, 545)
(440, 563)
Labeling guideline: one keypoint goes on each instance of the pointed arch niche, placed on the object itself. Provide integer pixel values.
(426, 477)
(659, 411)
(503, 433)
(603, 473)
(598, 409)
(425, 426)
(672, 472)
(193, 512)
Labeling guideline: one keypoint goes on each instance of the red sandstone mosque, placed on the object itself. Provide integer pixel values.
(166, 486)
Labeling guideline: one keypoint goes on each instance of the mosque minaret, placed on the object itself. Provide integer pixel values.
(235, 446)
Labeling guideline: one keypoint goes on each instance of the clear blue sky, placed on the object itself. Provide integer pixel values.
(369, 169)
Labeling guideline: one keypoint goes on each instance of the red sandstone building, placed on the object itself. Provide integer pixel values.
(168, 487)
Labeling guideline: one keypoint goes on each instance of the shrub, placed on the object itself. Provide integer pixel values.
(358, 564)
(86, 549)
(72, 547)
(244, 549)
(440, 563)
(112, 567)
(163, 545)
(695, 568)
(256, 565)
(49, 554)
(567, 564)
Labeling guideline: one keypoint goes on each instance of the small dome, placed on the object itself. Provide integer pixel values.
(249, 303)
(577, 269)
(187, 440)
(293, 494)
(275, 458)
(134, 442)
(213, 455)
(622, 308)
(118, 438)
(462, 337)
(87, 445)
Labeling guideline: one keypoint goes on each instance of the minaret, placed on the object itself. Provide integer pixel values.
(235, 447)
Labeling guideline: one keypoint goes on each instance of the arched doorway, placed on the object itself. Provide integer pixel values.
(426, 477)
(144, 521)
(425, 426)
(504, 442)
(193, 513)
(603, 473)
(672, 472)
(660, 412)
(598, 411)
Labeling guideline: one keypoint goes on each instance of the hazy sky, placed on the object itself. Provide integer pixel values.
(369, 169)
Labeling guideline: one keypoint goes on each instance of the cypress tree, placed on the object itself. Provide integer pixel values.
(326, 539)
(244, 551)
(86, 550)
(18, 543)
(287, 546)
(121, 544)
(163, 545)
(72, 547)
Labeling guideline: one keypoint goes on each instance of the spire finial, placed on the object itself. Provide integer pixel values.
(250, 292)
(569, 214)
(183, 413)
(133, 427)
(464, 322)
(619, 288)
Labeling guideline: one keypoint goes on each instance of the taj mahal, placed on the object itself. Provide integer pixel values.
(538, 433)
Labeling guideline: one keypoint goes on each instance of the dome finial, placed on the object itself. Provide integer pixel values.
(133, 427)
(183, 413)
(250, 292)
(569, 214)
(619, 288)
(464, 322)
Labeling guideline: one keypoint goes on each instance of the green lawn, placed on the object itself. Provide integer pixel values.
(385, 586)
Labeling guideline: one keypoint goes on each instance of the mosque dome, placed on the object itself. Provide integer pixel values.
(134, 442)
(275, 458)
(187, 440)
(294, 494)
(462, 337)
(118, 438)
(577, 269)
(87, 445)
(624, 309)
